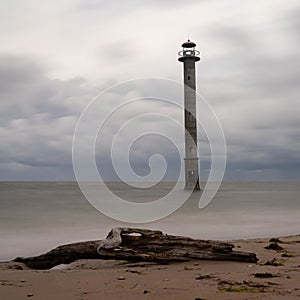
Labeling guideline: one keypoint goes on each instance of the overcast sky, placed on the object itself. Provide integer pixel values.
(55, 56)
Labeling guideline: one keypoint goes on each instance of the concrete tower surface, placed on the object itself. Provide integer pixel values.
(189, 55)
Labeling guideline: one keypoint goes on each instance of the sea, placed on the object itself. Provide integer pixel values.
(38, 216)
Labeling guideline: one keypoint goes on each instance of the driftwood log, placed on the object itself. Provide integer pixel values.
(138, 245)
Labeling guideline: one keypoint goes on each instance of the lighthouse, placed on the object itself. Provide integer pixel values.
(189, 56)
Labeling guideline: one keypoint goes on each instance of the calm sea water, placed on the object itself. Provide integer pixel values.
(37, 216)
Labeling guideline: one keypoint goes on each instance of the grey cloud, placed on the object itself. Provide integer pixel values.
(121, 50)
(252, 86)
(257, 101)
(292, 21)
(130, 5)
(139, 156)
(259, 66)
(16, 72)
(26, 91)
(37, 119)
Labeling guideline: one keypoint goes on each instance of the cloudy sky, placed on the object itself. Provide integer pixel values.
(56, 56)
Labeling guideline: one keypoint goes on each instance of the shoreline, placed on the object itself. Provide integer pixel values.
(202, 279)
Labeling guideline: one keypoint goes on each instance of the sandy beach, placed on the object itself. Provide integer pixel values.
(275, 276)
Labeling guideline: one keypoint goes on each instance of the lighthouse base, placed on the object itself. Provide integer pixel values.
(193, 186)
(191, 174)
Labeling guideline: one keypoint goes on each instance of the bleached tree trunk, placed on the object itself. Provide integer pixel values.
(136, 245)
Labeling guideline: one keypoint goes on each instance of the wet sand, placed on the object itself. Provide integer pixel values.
(98, 279)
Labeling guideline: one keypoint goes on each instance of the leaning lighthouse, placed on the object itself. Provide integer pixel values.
(189, 56)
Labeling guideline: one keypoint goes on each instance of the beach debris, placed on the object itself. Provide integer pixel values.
(241, 287)
(275, 240)
(121, 278)
(134, 286)
(238, 289)
(273, 262)
(205, 276)
(139, 245)
(146, 292)
(264, 275)
(134, 271)
(138, 264)
(15, 283)
(287, 255)
(274, 246)
(11, 266)
(228, 282)
(30, 295)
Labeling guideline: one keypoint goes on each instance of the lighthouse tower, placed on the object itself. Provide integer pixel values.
(189, 55)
